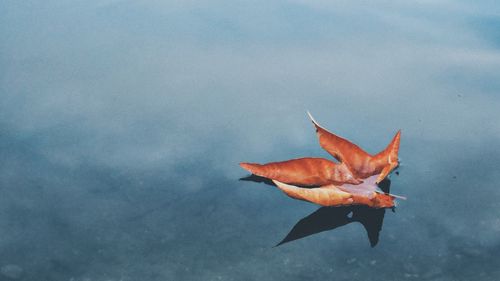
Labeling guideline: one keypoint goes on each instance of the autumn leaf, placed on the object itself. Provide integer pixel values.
(360, 163)
(353, 181)
(304, 172)
(366, 193)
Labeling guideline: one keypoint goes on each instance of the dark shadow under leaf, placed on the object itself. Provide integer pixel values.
(257, 179)
(329, 218)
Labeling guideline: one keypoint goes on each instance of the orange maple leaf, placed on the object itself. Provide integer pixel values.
(360, 163)
(304, 171)
(366, 193)
(353, 181)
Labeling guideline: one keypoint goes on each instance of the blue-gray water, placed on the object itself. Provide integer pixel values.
(122, 124)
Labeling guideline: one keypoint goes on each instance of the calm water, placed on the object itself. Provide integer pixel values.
(123, 123)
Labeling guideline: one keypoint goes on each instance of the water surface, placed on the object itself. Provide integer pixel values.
(123, 123)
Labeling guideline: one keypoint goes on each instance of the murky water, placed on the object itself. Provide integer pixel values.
(123, 123)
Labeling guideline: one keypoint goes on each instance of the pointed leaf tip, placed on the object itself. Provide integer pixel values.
(311, 117)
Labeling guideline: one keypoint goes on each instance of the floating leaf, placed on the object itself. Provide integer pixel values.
(353, 181)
